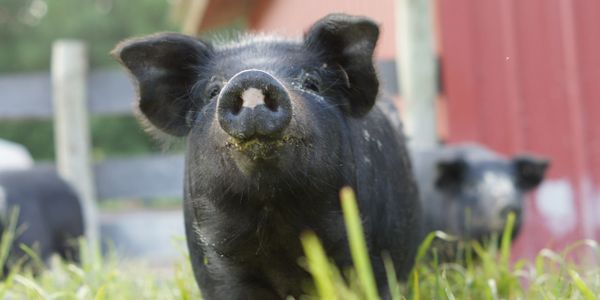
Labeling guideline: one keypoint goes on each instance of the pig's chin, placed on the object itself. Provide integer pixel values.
(258, 154)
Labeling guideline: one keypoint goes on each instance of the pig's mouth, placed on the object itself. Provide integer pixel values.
(257, 149)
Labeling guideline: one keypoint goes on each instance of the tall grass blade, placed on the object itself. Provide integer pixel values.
(507, 238)
(392, 278)
(8, 236)
(358, 248)
(581, 286)
(37, 262)
(31, 286)
(427, 243)
(318, 265)
(416, 294)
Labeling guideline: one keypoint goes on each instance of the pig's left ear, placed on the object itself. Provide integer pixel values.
(530, 170)
(349, 41)
(451, 173)
(165, 67)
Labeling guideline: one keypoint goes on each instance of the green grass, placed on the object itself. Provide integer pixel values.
(97, 277)
(100, 278)
(483, 272)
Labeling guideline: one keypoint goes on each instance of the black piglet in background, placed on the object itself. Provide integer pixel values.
(49, 216)
(468, 190)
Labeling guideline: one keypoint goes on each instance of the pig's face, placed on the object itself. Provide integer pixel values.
(481, 193)
(258, 106)
(269, 113)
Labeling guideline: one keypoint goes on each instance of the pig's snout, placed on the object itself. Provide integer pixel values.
(253, 104)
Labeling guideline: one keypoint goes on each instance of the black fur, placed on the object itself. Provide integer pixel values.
(244, 209)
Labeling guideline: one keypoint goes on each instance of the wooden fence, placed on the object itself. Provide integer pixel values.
(109, 92)
(68, 96)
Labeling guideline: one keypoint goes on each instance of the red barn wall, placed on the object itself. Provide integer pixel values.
(293, 17)
(523, 76)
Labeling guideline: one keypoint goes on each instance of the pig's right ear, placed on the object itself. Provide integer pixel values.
(450, 173)
(165, 68)
(349, 42)
(530, 170)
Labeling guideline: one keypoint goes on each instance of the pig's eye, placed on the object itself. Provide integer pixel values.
(213, 91)
(311, 82)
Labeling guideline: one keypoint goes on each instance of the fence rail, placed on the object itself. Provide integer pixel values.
(29, 96)
(140, 177)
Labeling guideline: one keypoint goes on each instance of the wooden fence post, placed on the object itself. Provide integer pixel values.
(194, 15)
(417, 70)
(71, 126)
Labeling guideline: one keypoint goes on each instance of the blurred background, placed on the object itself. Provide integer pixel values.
(516, 76)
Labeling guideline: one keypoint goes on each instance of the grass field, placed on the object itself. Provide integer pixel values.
(486, 272)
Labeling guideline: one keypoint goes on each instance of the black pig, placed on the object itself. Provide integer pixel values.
(468, 190)
(50, 217)
(275, 128)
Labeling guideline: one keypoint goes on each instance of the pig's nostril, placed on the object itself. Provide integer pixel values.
(271, 104)
(237, 105)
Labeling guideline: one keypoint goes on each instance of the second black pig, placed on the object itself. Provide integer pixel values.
(50, 218)
(468, 190)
